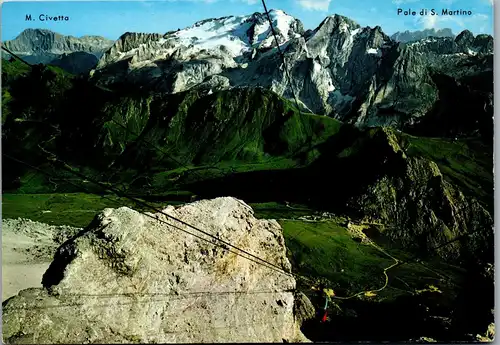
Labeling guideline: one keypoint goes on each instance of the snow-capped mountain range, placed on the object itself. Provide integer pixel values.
(356, 74)
(234, 37)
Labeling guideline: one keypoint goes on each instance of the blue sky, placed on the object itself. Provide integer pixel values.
(112, 18)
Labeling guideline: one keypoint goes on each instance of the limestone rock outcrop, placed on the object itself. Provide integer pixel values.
(129, 277)
(409, 36)
(42, 46)
(421, 208)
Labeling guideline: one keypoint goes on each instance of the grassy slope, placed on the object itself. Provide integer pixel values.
(327, 250)
(233, 137)
(73, 209)
(232, 133)
(56, 209)
(229, 129)
(10, 72)
(31, 111)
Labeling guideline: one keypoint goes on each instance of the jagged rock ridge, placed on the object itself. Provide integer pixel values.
(131, 278)
(75, 55)
(408, 36)
(422, 208)
(41, 41)
(359, 75)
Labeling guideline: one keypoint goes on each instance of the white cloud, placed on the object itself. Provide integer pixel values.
(436, 22)
(249, 2)
(429, 22)
(400, 2)
(315, 5)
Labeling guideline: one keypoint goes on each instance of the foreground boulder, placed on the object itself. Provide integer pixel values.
(132, 278)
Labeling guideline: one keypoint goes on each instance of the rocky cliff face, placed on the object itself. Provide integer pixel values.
(409, 36)
(359, 75)
(76, 62)
(41, 41)
(421, 208)
(130, 278)
(75, 55)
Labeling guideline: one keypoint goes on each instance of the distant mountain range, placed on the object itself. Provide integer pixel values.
(355, 74)
(409, 36)
(77, 55)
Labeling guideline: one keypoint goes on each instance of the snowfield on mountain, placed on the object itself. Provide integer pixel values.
(353, 73)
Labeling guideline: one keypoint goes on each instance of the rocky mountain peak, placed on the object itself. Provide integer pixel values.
(468, 43)
(131, 40)
(42, 46)
(410, 36)
(222, 41)
(377, 37)
(209, 20)
(356, 74)
(465, 38)
(32, 33)
(337, 22)
(484, 42)
(255, 17)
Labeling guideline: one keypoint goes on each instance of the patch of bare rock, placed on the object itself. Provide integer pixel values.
(133, 278)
